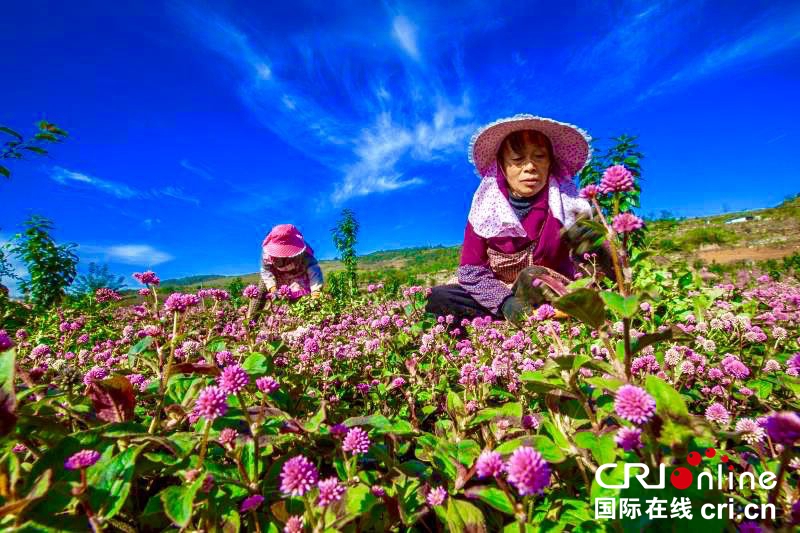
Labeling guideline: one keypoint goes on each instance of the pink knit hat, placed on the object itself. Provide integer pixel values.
(284, 240)
(571, 146)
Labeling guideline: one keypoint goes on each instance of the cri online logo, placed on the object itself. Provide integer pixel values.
(682, 478)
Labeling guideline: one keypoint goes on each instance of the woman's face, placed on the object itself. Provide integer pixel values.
(526, 170)
(283, 263)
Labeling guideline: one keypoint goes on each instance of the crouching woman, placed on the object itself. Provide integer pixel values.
(286, 261)
(521, 229)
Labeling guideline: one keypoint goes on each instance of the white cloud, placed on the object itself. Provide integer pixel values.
(770, 36)
(198, 170)
(370, 135)
(71, 178)
(406, 34)
(177, 193)
(129, 254)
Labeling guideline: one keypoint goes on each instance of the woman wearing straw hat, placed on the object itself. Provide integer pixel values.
(287, 261)
(521, 230)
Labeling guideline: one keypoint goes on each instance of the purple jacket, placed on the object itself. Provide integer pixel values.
(489, 266)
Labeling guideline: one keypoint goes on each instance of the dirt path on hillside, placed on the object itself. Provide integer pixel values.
(731, 255)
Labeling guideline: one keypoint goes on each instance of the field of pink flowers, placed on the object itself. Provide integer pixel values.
(367, 414)
(183, 413)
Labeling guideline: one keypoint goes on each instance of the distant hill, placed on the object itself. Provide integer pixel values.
(756, 235)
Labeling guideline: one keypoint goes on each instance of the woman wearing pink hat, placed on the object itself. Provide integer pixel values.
(286, 260)
(521, 225)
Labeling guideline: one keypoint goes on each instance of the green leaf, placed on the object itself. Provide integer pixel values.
(673, 333)
(550, 452)
(463, 516)
(668, 401)
(358, 500)
(10, 132)
(255, 364)
(493, 497)
(455, 407)
(110, 482)
(685, 280)
(35, 150)
(624, 306)
(583, 304)
(313, 424)
(467, 451)
(179, 499)
(4, 171)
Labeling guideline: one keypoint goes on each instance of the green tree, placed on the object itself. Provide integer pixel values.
(51, 267)
(97, 277)
(345, 236)
(17, 147)
(624, 151)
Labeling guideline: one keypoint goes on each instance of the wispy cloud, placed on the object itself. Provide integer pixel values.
(637, 39)
(406, 34)
(80, 180)
(372, 134)
(770, 35)
(197, 170)
(72, 178)
(129, 254)
(176, 193)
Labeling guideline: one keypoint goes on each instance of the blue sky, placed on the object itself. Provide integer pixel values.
(194, 127)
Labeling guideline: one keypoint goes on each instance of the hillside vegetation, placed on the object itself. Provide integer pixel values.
(771, 234)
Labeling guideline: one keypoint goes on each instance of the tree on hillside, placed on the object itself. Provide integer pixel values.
(97, 277)
(17, 147)
(51, 267)
(345, 236)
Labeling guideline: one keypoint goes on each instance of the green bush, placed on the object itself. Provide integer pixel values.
(707, 235)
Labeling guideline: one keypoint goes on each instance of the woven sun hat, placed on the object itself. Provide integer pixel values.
(571, 145)
(284, 240)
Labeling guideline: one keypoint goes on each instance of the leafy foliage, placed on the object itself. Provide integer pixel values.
(345, 236)
(17, 147)
(51, 267)
(97, 277)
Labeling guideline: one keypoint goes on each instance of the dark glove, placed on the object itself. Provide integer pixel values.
(515, 311)
(583, 239)
(537, 285)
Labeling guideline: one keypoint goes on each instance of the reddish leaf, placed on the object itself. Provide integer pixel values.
(194, 368)
(112, 398)
(8, 401)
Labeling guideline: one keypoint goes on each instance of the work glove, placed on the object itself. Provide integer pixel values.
(515, 311)
(583, 239)
(537, 285)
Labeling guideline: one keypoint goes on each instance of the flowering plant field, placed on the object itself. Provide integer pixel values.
(179, 412)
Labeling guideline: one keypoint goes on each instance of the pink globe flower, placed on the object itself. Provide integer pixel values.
(616, 178)
(356, 441)
(626, 223)
(527, 471)
(233, 379)
(330, 490)
(106, 295)
(147, 278)
(590, 191)
(784, 428)
(251, 503)
(294, 524)
(716, 412)
(634, 404)
(489, 464)
(82, 459)
(211, 403)
(251, 291)
(628, 438)
(298, 476)
(436, 496)
(267, 384)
